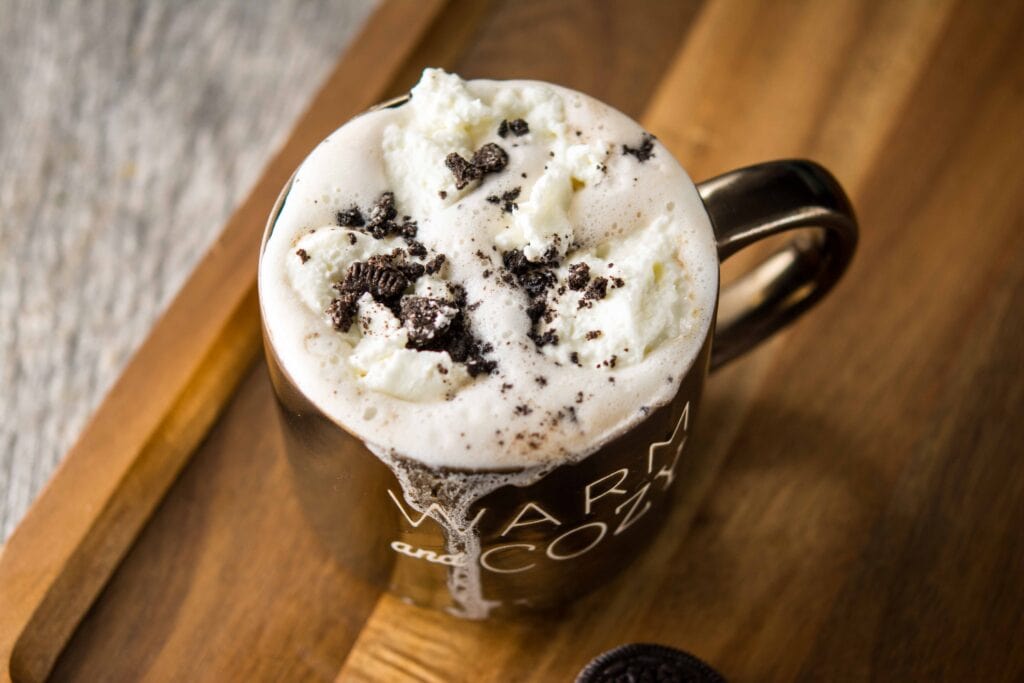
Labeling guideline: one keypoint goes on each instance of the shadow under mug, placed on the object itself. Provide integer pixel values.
(525, 547)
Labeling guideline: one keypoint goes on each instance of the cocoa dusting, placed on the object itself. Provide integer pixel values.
(644, 152)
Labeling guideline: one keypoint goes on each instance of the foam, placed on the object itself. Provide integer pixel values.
(589, 201)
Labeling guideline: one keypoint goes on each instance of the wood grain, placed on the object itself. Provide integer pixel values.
(853, 532)
(129, 131)
(137, 586)
(52, 568)
(852, 508)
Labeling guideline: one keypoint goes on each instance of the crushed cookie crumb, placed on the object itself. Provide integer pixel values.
(303, 256)
(434, 265)
(579, 276)
(523, 409)
(416, 248)
(644, 152)
(542, 340)
(593, 334)
(342, 311)
(517, 127)
(350, 218)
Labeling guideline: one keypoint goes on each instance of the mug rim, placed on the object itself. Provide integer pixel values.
(705, 339)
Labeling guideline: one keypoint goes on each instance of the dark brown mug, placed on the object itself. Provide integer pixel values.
(411, 529)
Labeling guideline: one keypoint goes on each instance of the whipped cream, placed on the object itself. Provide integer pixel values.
(577, 283)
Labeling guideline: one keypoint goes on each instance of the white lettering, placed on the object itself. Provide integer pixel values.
(602, 530)
(544, 517)
(589, 499)
(485, 558)
(632, 515)
(669, 473)
(433, 510)
(428, 555)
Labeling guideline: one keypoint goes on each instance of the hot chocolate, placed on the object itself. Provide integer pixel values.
(494, 275)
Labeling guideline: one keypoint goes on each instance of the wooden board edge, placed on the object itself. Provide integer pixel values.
(62, 553)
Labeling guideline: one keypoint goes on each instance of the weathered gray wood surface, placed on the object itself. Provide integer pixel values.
(128, 131)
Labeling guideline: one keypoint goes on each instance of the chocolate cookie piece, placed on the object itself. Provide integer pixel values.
(644, 152)
(426, 318)
(508, 200)
(351, 217)
(381, 221)
(303, 256)
(383, 281)
(434, 265)
(416, 248)
(579, 276)
(464, 171)
(490, 158)
(597, 289)
(540, 340)
(517, 127)
(515, 262)
(342, 310)
(536, 282)
(643, 662)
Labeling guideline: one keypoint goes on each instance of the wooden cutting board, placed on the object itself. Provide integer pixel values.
(855, 507)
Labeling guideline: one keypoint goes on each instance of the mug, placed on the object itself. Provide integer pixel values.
(542, 536)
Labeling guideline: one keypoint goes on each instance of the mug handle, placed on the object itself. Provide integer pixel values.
(749, 204)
